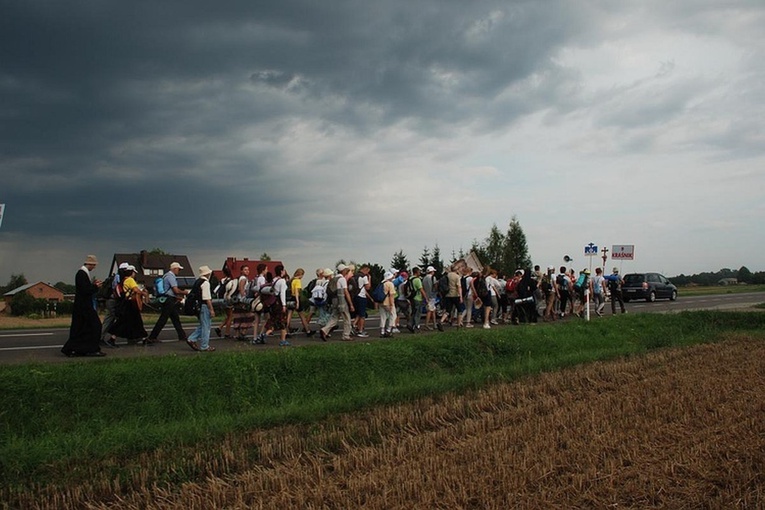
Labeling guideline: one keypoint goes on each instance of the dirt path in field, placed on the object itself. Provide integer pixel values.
(683, 428)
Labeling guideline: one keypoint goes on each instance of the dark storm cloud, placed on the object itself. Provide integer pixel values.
(114, 107)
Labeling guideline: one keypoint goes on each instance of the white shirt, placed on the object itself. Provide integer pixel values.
(363, 281)
(280, 289)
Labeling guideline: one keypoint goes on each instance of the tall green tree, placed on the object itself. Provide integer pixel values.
(15, 281)
(400, 261)
(435, 260)
(425, 258)
(516, 249)
(66, 288)
(744, 275)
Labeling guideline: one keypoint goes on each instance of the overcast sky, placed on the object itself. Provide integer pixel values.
(316, 131)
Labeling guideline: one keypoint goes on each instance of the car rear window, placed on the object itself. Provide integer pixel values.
(633, 279)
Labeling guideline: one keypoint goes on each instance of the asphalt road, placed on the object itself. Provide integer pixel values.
(44, 345)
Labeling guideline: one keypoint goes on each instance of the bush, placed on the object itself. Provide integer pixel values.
(22, 304)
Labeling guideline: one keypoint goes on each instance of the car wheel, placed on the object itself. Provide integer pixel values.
(651, 297)
(673, 297)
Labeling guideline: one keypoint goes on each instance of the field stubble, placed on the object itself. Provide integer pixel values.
(678, 428)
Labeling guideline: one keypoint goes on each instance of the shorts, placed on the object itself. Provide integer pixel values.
(359, 307)
(431, 304)
(450, 303)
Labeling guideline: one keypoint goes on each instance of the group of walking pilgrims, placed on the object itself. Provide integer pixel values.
(254, 307)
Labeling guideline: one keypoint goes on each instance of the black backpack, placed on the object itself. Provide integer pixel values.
(409, 290)
(443, 285)
(482, 290)
(353, 285)
(193, 303)
(561, 281)
(105, 290)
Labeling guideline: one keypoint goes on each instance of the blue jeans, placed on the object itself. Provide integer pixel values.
(202, 333)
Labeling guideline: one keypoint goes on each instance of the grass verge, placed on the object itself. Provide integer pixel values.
(59, 423)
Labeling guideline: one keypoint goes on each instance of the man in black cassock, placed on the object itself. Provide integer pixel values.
(85, 331)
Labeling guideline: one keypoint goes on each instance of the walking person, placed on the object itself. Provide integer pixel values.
(549, 292)
(342, 304)
(598, 291)
(169, 300)
(402, 304)
(129, 323)
(429, 283)
(199, 339)
(225, 290)
(110, 306)
(295, 303)
(419, 297)
(453, 297)
(388, 307)
(615, 288)
(363, 283)
(277, 310)
(85, 329)
(242, 317)
(563, 287)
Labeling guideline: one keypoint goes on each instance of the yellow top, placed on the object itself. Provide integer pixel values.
(296, 286)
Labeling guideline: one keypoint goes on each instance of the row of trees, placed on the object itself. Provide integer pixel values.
(505, 252)
(743, 275)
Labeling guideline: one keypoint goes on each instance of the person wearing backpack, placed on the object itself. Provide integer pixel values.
(111, 289)
(242, 317)
(254, 292)
(481, 284)
(319, 299)
(360, 293)
(548, 290)
(295, 303)
(277, 307)
(129, 323)
(402, 304)
(453, 297)
(342, 304)
(387, 306)
(430, 284)
(199, 339)
(563, 288)
(415, 294)
(615, 288)
(598, 288)
(172, 296)
(526, 305)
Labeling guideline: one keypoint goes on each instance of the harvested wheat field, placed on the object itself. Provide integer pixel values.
(680, 428)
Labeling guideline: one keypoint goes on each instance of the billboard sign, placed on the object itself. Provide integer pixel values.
(623, 252)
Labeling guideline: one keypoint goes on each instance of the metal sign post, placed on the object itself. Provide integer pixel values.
(591, 250)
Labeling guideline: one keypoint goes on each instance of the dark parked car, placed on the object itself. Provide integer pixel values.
(648, 286)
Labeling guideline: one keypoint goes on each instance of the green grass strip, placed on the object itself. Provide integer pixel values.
(80, 412)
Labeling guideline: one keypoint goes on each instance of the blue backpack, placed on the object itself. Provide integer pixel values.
(378, 294)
